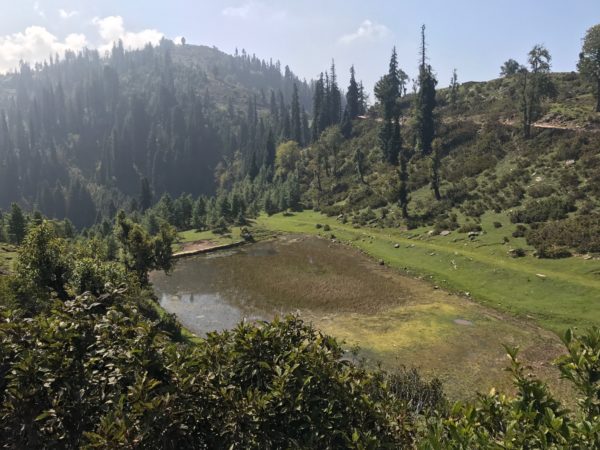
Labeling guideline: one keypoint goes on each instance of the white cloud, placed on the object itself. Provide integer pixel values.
(35, 44)
(253, 9)
(67, 14)
(38, 9)
(367, 31)
(112, 29)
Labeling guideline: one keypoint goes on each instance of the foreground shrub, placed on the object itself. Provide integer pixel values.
(533, 419)
(96, 373)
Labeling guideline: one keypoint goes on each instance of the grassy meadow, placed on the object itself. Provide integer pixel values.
(556, 294)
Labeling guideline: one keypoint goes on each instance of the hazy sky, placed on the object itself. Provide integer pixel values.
(474, 37)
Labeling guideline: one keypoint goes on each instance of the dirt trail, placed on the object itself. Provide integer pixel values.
(197, 246)
(203, 246)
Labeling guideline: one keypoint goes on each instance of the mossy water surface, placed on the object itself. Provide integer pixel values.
(395, 319)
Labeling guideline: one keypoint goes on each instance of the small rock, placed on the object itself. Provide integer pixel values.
(445, 233)
(396, 245)
(569, 162)
(381, 262)
(472, 234)
(468, 294)
(430, 233)
(587, 257)
(541, 275)
(436, 287)
(463, 322)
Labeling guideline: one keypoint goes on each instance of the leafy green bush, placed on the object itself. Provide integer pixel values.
(552, 252)
(533, 418)
(332, 210)
(445, 222)
(474, 208)
(469, 227)
(97, 373)
(540, 190)
(518, 252)
(520, 231)
(541, 210)
(580, 233)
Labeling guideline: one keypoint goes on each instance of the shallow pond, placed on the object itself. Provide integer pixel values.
(293, 273)
(395, 319)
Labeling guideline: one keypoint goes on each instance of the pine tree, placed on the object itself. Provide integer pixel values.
(295, 117)
(199, 214)
(362, 100)
(318, 101)
(334, 99)
(387, 91)
(285, 131)
(346, 125)
(274, 111)
(353, 97)
(424, 107)
(535, 86)
(145, 194)
(589, 60)
(17, 225)
(253, 166)
(453, 89)
(305, 128)
(269, 161)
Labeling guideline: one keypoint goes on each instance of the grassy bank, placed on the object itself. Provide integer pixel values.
(555, 293)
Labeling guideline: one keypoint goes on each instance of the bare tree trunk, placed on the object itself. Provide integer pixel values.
(526, 106)
(405, 211)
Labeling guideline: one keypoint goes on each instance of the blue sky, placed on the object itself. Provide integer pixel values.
(474, 37)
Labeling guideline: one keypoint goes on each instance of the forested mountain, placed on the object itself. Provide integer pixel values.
(81, 135)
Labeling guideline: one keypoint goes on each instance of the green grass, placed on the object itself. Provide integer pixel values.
(565, 295)
(233, 236)
(217, 239)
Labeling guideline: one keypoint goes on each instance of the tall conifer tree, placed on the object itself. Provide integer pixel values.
(425, 105)
(353, 96)
(296, 118)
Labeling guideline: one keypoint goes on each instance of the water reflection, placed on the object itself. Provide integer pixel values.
(201, 293)
(204, 312)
